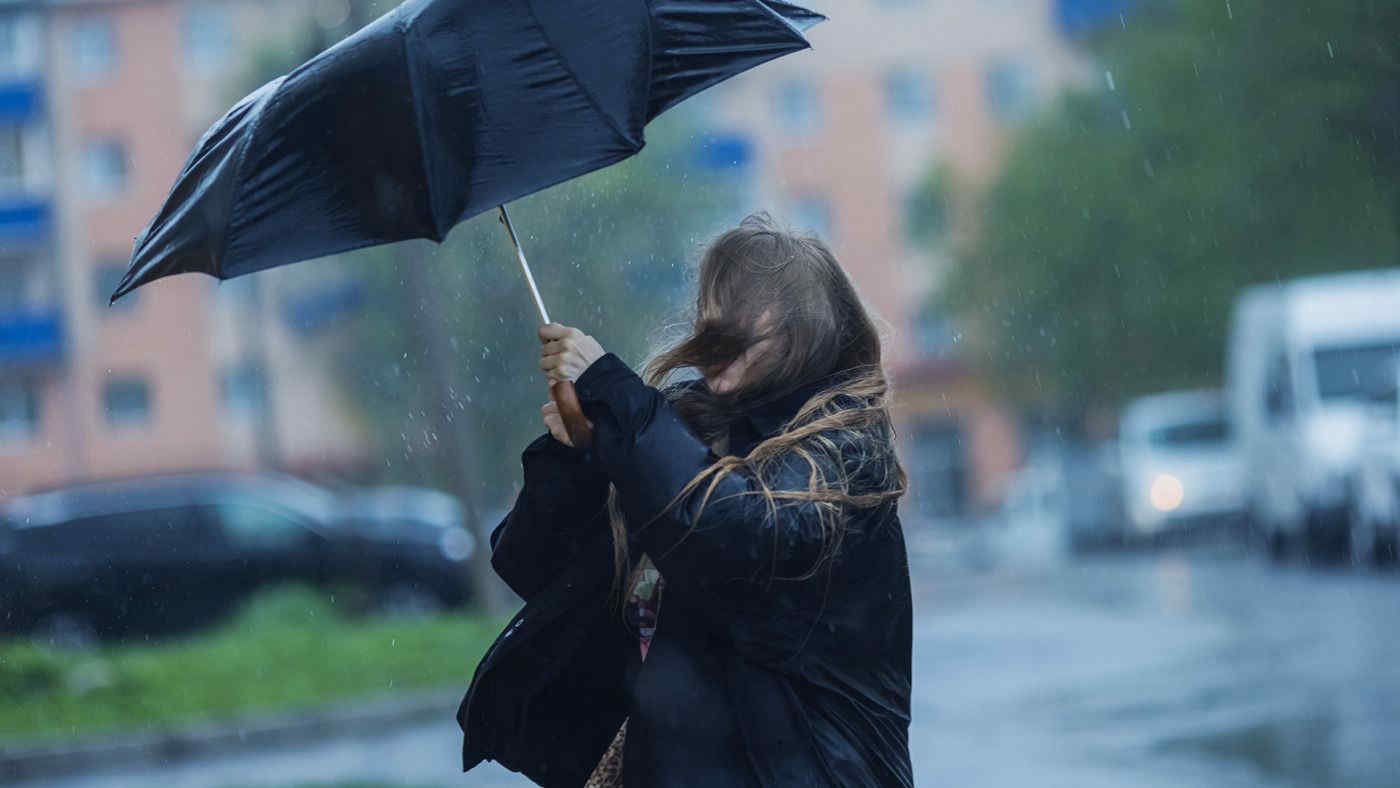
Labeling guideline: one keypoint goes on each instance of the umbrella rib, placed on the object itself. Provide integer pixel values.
(237, 180)
(406, 30)
(569, 69)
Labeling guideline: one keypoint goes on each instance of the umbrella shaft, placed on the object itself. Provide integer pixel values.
(524, 266)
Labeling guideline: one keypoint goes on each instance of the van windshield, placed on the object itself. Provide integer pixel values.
(1356, 371)
(1190, 434)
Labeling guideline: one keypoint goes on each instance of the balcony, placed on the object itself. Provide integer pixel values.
(30, 336)
(21, 100)
(1081, 17)
(24, 221)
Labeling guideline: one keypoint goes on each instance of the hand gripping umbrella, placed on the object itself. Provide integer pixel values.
(438, 111)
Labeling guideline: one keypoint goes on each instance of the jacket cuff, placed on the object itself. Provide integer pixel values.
(604, 373)
(546, 450)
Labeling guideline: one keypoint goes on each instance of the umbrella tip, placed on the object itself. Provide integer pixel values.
(122, 289)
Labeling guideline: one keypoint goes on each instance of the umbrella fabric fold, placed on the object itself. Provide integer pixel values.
(438, 111)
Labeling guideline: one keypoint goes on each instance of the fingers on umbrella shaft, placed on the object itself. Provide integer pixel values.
(550, 331)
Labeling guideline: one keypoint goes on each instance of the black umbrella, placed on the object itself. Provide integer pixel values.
(438, 111)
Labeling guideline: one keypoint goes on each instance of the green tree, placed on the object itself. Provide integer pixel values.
(1227, 143)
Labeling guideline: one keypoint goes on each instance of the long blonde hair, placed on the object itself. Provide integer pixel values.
(824, 335)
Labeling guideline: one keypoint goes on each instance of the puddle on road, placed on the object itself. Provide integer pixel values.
(1300, 751)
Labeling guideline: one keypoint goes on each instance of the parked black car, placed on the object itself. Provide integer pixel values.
(423, 530)
(168, 554)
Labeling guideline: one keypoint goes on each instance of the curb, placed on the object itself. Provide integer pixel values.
(209, 738)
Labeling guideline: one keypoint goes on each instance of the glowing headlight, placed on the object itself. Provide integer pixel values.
(456, 544)
(1166, 493)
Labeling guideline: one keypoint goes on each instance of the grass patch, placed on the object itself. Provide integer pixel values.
(288, 648)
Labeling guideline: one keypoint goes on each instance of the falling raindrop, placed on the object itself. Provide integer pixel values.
(1108, 77)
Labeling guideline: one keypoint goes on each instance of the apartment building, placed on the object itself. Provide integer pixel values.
(100, 104)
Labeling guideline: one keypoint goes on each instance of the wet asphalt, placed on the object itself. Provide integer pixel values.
(1195, 666)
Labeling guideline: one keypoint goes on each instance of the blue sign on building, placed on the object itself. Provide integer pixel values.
(20, 100)
(1085, 16)
(723, 151)
(24, 220)
(30, 336)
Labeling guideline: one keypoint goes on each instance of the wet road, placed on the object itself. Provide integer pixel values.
(1163, 670)
(1190, 668)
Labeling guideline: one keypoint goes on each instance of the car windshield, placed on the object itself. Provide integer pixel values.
(1355, 371)
(1190, 434)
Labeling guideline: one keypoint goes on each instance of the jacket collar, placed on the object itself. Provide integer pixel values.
(765, 419)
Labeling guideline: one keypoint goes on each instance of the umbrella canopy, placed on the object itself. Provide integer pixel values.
(438, 111)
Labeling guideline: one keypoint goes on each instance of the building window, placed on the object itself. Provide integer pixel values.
(797, 107)
(127, 402)
(908, 96)
(812, 213)
(105, 167)
(928, 207)
(9, 43)
(243, 391)
(27, 281)
(106, 278)
(11, 154)
(207, 37)
(94, 47)
(1008, 88)
(19, 411)
(20, 34)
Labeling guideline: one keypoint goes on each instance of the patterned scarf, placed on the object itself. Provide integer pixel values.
(643, 608)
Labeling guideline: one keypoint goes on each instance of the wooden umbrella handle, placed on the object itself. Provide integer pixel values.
(580, 429)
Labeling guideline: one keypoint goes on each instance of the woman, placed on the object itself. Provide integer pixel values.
(764, 495)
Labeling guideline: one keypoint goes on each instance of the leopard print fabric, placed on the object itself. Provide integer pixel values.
(608, 772)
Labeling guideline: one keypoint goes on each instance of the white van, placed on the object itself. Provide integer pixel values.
(1302, 360)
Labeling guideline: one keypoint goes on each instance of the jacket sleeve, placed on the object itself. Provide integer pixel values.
(560, 508)
(647, 451)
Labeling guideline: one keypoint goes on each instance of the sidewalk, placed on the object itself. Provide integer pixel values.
(205, 740)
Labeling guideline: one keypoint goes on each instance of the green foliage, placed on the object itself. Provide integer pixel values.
(929, 208)
(1227, 144)
(288, 649)
(288, 607)
(26, 670)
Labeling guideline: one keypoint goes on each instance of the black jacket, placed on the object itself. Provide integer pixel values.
(816, 672)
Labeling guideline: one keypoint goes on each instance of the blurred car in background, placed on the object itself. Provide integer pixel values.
(1179, 467)
(1093, 510)
(1302, 359)
(166, 554)
(425, 531)
(1034, 515)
